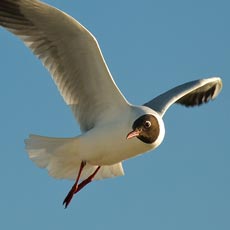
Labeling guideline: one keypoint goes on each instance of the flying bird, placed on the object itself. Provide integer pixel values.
(112, 129)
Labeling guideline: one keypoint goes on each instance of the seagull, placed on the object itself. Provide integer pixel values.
(112, 129)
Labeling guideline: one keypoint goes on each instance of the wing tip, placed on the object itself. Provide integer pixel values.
(218, 86)
(212, 87)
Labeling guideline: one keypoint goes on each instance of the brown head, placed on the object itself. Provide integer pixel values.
(146, 128)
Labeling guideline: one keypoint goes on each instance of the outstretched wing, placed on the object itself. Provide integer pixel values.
(70, 53)
(189, 94)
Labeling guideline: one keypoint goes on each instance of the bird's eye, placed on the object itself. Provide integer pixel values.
(147, 124)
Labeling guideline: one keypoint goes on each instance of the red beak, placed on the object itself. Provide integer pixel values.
(132, 134)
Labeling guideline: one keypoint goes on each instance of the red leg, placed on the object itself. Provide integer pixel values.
(88, 180)
(75, 186)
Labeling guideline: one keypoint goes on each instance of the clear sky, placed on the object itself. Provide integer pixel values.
(150, 46)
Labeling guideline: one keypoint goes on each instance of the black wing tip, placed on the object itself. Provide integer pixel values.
(9, 9)
(203, 97)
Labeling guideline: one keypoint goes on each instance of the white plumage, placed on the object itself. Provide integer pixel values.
(58, 155)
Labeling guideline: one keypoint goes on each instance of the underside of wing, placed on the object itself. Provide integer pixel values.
(70, 53)
(189, 94)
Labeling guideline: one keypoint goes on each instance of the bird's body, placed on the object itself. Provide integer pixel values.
(113, 130)
(104, 145)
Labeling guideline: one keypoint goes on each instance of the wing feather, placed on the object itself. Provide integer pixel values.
(189, 94)
(70, 53)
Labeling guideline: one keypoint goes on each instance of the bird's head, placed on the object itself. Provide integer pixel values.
(146, 128)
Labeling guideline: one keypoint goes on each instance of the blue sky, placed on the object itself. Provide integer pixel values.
(149, 46)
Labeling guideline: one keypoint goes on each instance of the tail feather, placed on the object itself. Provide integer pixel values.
(61, 158)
